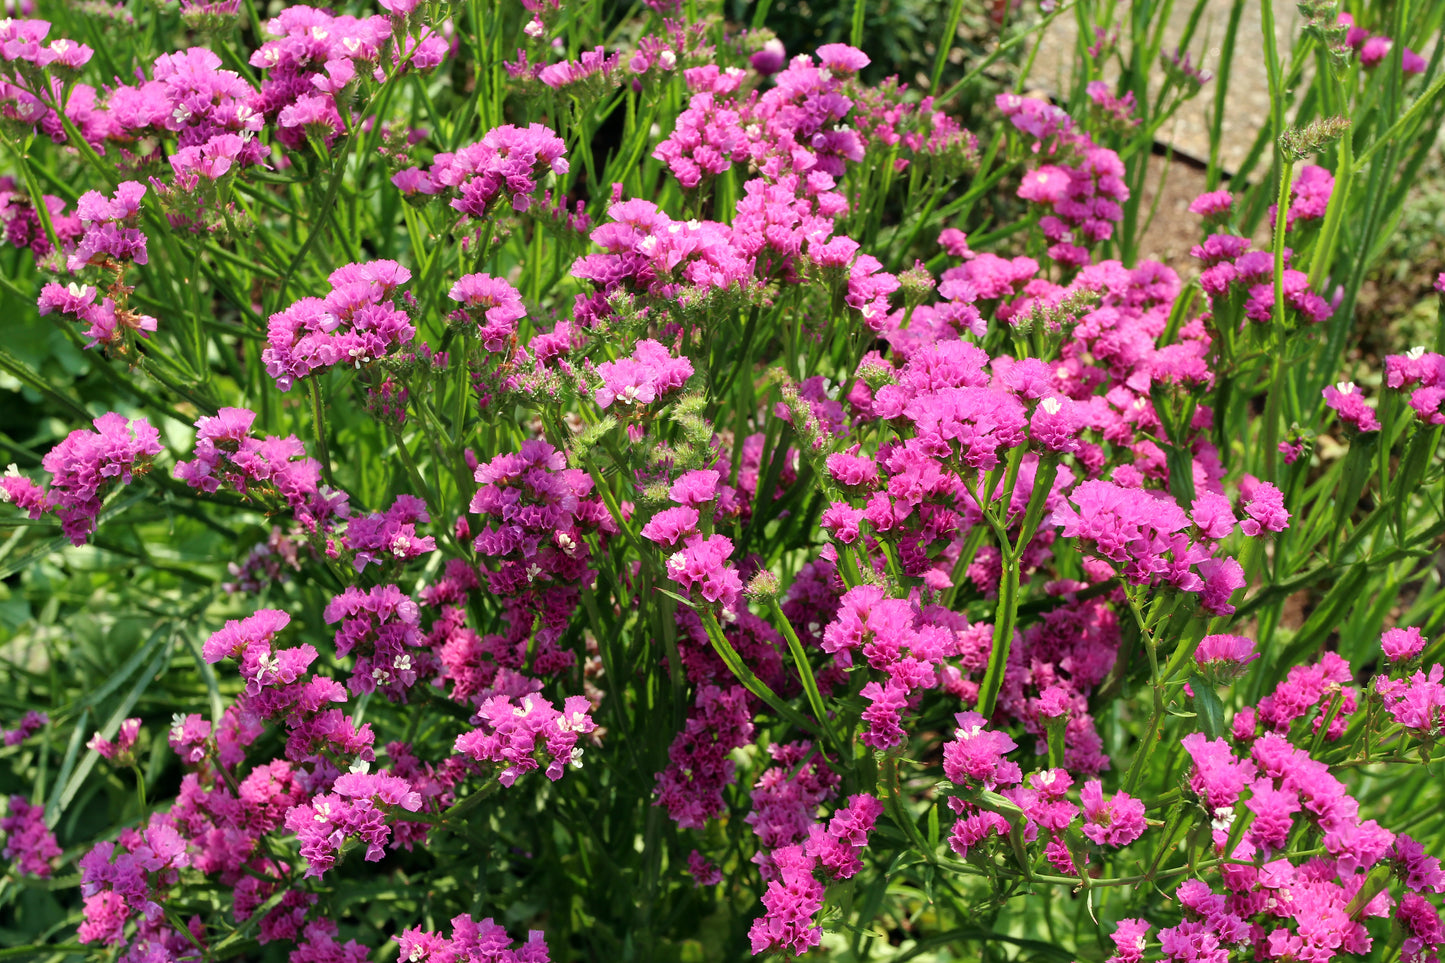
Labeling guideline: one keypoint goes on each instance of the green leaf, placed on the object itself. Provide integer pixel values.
(1209, 707)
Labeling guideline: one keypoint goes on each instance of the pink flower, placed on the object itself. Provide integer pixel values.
(671, 524)
(30, 723)
(1263, 506)
(82, 468)
(651, 372)
(1417, 702)
(1130, 937)
(702, 564)
(381, 627)
(1213, 515)
(975, 756)
(699, 767)
(841, 58)
(790, 903)
(483, 296)
(1273, 811)
(28, 841)
(770, 59)
(703, 872)
(838, 846)
(1218, 777)
(1212, 204)
(1055, 424)
(121, 751)
(1117, 822)
(1374, 50)
(189, 736)
(1401, 645)
(695, 487)
(514, 736)
(1225, 653)
(356, 323)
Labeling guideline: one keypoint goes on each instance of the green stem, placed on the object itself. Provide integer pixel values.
(1003, 633)
(805, 673)
(321, 448)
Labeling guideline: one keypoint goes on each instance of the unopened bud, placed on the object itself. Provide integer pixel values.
(762, 586)
(1297, 143)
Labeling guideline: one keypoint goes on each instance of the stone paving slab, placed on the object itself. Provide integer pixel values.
(1247, 100)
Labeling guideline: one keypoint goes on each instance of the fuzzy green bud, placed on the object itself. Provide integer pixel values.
(1297, 143)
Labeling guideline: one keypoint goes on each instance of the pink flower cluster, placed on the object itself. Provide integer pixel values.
(316, 55)
(699, 767)
(31, 72)
(536, 517)
(380, 627)
(471, 942)
(28, 841)
(120, 751)
(1423, 372)
(270, 467)
(650, 373)
(355, 323)
(83, 468)
(513, 736)
(1147, 537)
(30, 723)
(1085, 200)
(356, 807)
(1373, 48)
(838, 845)
(507, 164)
(1240, 282)
(493, 304)
(383, 536)
(702, 564)
(1309, 196)
(1281, 909)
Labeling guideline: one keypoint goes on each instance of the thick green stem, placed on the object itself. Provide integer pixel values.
(1003, 634)
(322, 451)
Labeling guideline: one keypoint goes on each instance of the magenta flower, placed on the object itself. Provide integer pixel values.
(1225, 656)
(381, 536)
(1117, 822)
(356, 323)
(30, 723)
(671, 524)
(703, 564)
(770, 58)
(699, 768)
(1347, 402)
(1416, 702)
(507, 163)
(790, 903)
(1218, 777)
(650, 373)
(1130, 937)
(1402, 645)
(975, 756)
(82, 468)
(28, 841)
(514, 736)
(121, 752)
(1374, 50)
(1212, 204)
(493, 299)
(838, 846)
(703, 872)
(382, 628)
